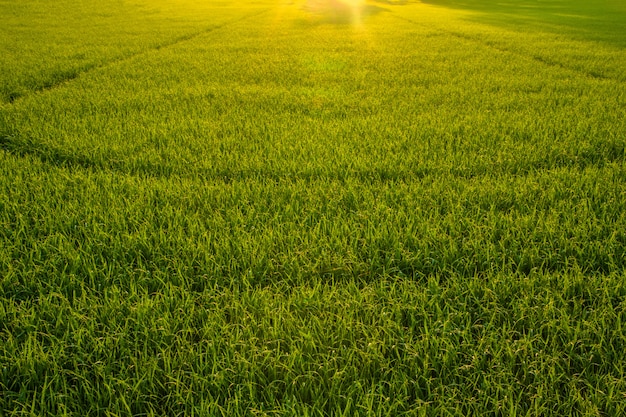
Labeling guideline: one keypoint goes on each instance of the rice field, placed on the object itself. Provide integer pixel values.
(312, 208)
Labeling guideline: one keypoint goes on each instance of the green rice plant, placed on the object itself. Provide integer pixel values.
(311, 209)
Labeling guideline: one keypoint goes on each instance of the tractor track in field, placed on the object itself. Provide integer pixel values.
(537, 58)
(72, 74)
(66, 160)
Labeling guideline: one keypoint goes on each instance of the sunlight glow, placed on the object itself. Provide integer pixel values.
(338, 11)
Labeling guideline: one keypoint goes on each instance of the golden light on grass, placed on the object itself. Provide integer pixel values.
(338, 11)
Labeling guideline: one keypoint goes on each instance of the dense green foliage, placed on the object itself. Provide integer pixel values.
(312, 208)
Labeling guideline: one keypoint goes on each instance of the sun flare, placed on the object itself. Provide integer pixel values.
(340, 11)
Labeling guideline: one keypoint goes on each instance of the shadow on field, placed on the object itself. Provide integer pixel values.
(600, 21)
(608, 152)
(44, 153)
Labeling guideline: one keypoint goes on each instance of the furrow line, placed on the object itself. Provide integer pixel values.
(62, 159)
(72, 74)
(540, 59)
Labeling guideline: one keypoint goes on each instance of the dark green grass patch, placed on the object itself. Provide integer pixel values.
(537, 344)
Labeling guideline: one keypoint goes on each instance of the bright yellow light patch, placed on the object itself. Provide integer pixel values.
(339, 11)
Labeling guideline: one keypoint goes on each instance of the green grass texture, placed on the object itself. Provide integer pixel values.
(312, 208)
